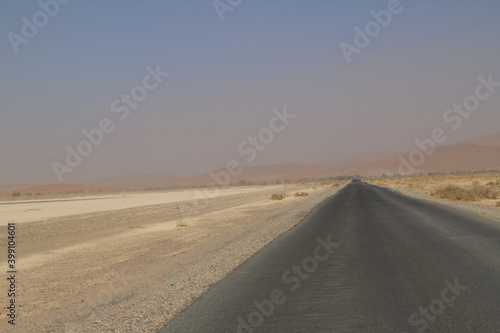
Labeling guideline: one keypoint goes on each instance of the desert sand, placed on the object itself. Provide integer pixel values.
(123, 263)
(34, 210)
(429, 184)
(425, 187)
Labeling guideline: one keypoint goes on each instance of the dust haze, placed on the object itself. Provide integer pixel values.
(184, 85)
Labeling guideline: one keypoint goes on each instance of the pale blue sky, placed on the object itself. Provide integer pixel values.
(226, 77)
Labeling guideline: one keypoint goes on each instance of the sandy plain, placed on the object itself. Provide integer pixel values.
(123, 263)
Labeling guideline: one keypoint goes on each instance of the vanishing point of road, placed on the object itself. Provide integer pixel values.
(367, 259)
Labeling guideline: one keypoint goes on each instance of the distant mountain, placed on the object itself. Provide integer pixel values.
(255, 174)
(481, 153)
(15, 187)
(477, 154)
(491, 140)
(356, 158)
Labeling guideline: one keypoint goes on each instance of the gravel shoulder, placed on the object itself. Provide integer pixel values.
(133, 269)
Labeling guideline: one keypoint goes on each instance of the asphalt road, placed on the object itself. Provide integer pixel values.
(367, 259)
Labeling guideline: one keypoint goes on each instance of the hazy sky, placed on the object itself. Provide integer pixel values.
(226, 76)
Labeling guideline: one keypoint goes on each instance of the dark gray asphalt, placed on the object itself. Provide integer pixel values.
(365, 260)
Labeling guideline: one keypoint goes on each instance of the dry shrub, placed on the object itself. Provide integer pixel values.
(278, 196)
(457, 193)
(301, 194)
(498, 203)
(136, 226)
(486, 193)
(494, 183)
(452, 192)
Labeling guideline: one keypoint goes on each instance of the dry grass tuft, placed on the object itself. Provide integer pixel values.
(457, 193)
(181, 223)
(301, 194)
(136, 226)
(278, 196)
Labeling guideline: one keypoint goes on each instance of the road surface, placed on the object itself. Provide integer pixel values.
(367, 259)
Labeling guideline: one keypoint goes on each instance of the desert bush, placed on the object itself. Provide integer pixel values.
(278, 196)
(456, 193)
(494, 183)
(16, 194)
(485, 192)
(301, 194)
